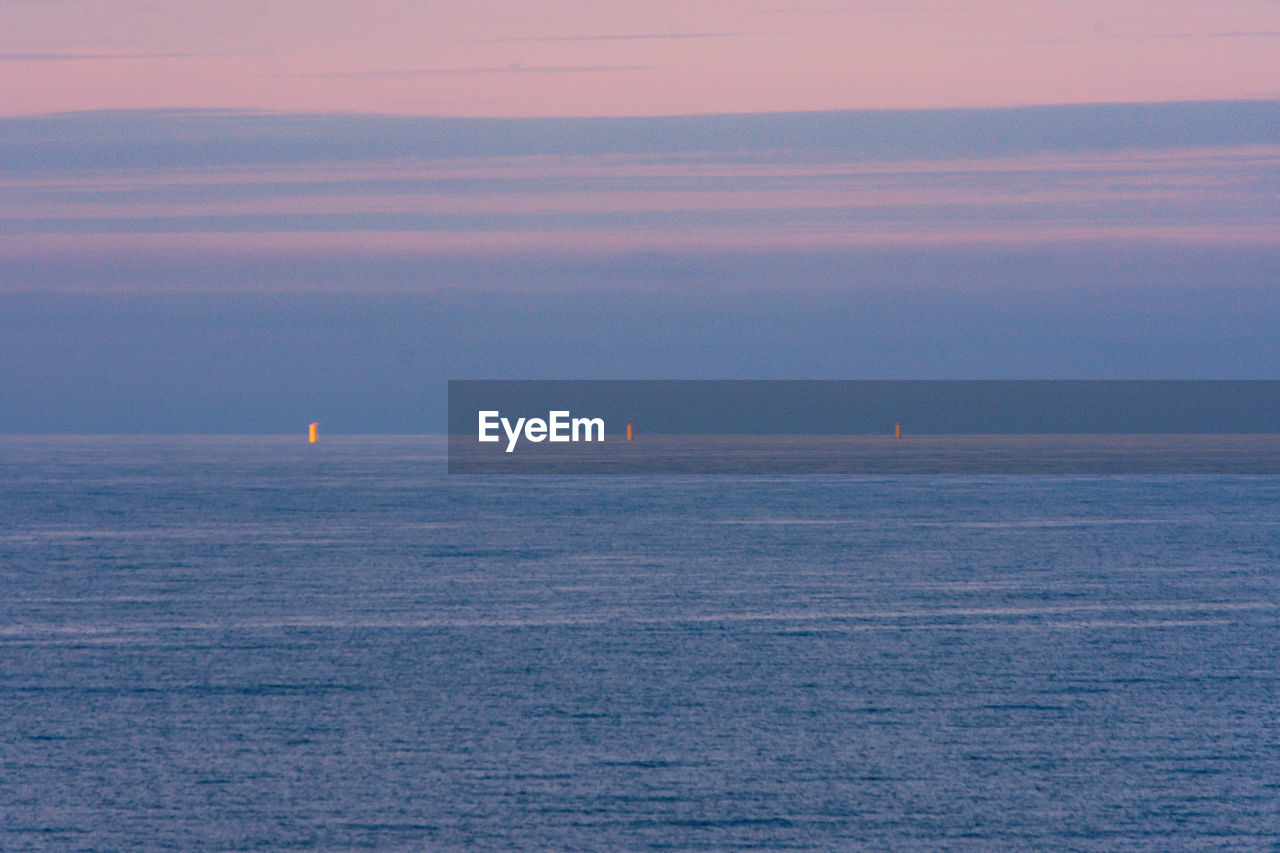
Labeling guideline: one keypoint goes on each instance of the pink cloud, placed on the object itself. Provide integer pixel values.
(628, 58)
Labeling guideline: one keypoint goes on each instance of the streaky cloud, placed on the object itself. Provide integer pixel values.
(199, 138)
(94, 57)
(496, 69)
(1254, 34)
(617, 37)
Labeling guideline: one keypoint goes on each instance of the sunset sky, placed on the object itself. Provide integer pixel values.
(248, 214)
(558, 58)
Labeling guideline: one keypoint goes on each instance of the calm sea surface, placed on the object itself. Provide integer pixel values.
(256, 644)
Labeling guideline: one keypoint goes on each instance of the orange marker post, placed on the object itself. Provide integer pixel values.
(313, 433)
(897, 430)
(631, 431)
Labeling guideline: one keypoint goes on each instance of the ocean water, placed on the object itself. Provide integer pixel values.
(256, 644)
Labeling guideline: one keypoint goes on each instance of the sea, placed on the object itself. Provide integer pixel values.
(253, 643)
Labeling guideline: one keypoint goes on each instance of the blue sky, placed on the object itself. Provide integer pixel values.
(202, 271)
(207, 251)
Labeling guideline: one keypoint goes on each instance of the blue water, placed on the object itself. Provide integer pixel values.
(256, 644)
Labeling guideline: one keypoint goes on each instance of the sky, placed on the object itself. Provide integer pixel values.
(629, 57)
(245, 216)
